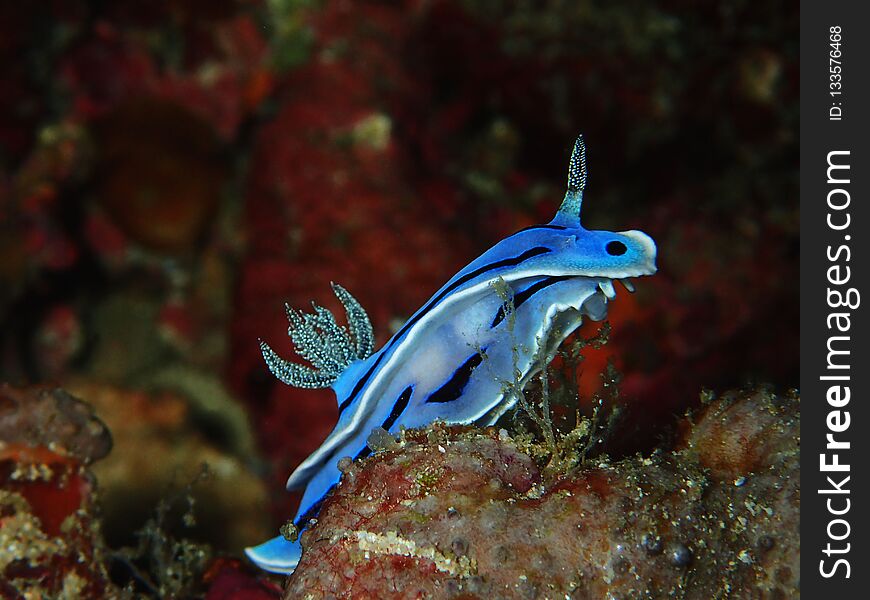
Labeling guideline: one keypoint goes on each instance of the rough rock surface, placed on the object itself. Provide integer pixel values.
(50, 542)
(44, 417)
(462, 513)
(52, 520)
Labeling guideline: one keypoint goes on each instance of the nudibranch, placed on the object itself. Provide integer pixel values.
(462, 356)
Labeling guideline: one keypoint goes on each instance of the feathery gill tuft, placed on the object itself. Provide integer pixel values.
(320, 340)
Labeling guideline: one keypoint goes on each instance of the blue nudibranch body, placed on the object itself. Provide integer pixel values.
(486, 332)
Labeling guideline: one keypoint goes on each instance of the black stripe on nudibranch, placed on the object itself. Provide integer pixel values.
(521, 297)
(359, 385)
(399, 407)
(507, 262)
(452, 389)
(312, 511)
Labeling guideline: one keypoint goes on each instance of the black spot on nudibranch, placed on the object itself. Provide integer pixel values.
(453, 388)
(399, 407)
(615, 248)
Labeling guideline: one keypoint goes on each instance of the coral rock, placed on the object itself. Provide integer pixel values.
(52, 418)
(51, 545)
(455, 512)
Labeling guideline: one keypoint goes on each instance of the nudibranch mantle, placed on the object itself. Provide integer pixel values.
(486, 332)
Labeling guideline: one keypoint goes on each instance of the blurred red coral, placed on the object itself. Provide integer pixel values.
(159, 174)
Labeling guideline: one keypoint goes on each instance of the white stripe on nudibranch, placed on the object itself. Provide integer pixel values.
(453, 357)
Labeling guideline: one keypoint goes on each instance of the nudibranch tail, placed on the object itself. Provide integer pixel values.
(278, 555)
(320, 340)
(569, 211)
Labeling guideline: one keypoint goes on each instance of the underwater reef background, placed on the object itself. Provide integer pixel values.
(172, 172)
